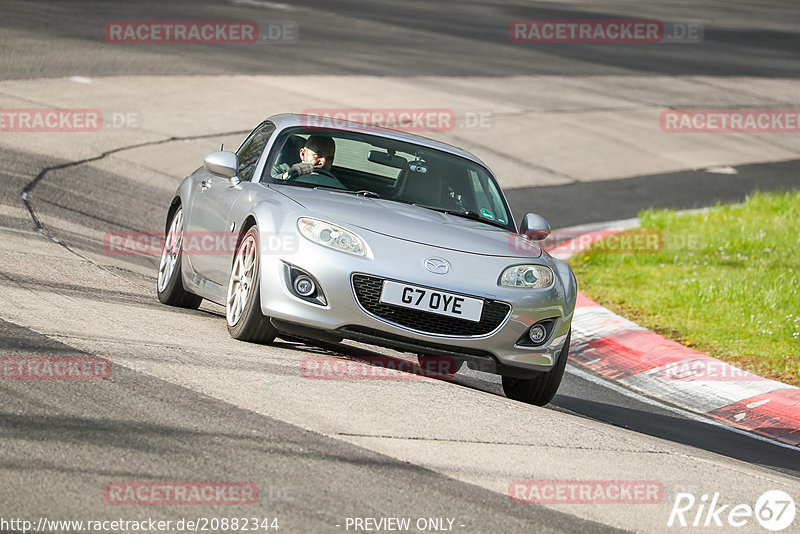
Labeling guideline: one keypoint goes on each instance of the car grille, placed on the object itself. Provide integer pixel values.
(368, 291)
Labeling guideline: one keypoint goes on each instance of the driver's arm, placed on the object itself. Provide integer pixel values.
(278, 171)
(282, 171)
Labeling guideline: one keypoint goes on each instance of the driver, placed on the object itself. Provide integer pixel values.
(317, 153)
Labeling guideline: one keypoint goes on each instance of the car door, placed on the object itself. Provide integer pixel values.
(208, 239)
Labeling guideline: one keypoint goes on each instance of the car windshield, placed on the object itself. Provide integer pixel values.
(382, 168)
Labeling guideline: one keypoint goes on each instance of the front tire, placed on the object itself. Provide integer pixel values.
(170, 286)
(541, 389)
(243, 302)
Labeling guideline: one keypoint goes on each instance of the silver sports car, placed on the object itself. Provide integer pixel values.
(330, 230)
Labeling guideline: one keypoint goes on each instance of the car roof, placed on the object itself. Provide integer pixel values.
(288, 120)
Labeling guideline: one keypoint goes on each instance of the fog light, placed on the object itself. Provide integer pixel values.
(537, 333)
(304, 286)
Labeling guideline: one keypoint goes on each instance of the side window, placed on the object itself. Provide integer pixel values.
(251, 150)
(285, 153)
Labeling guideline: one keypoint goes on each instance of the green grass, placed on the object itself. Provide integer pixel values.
(726, 283)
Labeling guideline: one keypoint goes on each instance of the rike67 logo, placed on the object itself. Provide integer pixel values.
(774, 510)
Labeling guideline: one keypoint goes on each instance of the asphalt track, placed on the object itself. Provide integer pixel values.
(61, 444)
(395, 37)
(609, 200)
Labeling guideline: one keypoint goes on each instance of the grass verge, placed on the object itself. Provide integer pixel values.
(725, 282)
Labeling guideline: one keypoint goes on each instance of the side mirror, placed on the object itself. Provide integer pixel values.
(534, 227)
(222, 163)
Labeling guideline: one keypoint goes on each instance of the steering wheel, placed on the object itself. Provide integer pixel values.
(294, 175)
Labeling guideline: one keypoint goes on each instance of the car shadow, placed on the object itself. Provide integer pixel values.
(702, 435)
(617, 412)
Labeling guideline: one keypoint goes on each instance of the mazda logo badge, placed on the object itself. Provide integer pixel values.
(437, 265)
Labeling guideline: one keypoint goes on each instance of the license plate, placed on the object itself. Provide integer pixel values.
(430, 300)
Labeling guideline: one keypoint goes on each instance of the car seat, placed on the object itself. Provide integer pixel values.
(290, 153)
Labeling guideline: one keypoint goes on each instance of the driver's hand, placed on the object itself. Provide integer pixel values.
(300, 169)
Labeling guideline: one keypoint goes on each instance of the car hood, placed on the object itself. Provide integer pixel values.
(411, 223)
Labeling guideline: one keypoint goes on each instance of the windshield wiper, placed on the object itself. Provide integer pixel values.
(474, 216)
(362, 192)
(365, 193)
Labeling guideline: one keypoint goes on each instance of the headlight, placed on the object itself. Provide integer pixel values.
(529, 276)
(332, 236)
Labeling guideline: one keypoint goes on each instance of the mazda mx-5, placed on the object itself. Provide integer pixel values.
(340, 230)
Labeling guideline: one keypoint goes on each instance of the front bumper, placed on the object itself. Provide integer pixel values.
(343, 315)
